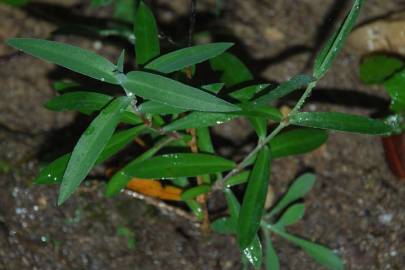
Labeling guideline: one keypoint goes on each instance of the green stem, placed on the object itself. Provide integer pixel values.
(220, 184)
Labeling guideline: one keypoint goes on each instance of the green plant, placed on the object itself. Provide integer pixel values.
(389, 71)
(158, 101)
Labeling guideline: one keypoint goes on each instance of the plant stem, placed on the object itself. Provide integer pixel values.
(220, 184)
(303, 98)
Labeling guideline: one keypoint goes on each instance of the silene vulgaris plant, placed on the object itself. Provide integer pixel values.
(160, 101)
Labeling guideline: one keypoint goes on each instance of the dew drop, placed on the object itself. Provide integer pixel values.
(102, 79)
(89, 131)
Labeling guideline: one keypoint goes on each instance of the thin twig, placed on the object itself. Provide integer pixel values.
(220, 184)
(193, 5)
(164, 207)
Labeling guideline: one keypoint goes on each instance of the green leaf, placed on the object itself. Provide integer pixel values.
(118, 141)
(295, 83)
(146, 34)
(333, 46)
(62, 86)
(17, 3)
(74, 58)
(292, 215)
(259, 124)
(153, 107)
(248, 92)
(253, 253)
(272, 261)
(99, 3)
(253, 201)
(213, 87)
(121, 61)
(53, 172)
(124, 10)
(341, 122)
(232, 70)
(395, 87)
(173, 93)
(87, 103)
(128, 234)
(321, 254)
(90, 146)
(377, 68)
(297, 141)
(79, 101)
(186, 57)
(204, 142)
(237, 179)
(223, 225)
(269, 112)
(199, 120)
(122, 177)
(177, 165)
(196, 208)
(301, 186)
(194, 192)
(130, 118)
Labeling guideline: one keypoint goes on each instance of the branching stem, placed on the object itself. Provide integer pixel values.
(221, 183)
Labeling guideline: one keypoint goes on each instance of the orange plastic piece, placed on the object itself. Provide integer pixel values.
(153, 188)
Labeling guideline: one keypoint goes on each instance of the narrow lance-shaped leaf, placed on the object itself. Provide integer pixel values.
(186, 57)
(378, 68)
(321, 254)
(292, 215)
(253, 253)
(87, 103)
(285, 88)
(121, 62)
(333, 46)
(181, 164)
(395, 87)
(196, 208)
(195, 192)
(297, 190)
(74, 58)
(173, 93)
(223, 225)
(16, 3)
(253, 201)
(98, 3)
(153, 107)
(272, 261)
(213, 87)
(237, 179)
(146, 34)
(124, 10)
(248, 92)
(297, 141)
(121, 178)
(259, 124)
(79, 101)
(199, 120)
(204, 141)
(341, 122)
(90, 146)
(232, 70)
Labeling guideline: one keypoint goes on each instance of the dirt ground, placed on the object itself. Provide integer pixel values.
(356, 207)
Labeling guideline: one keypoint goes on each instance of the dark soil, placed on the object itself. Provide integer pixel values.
(356, 207)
